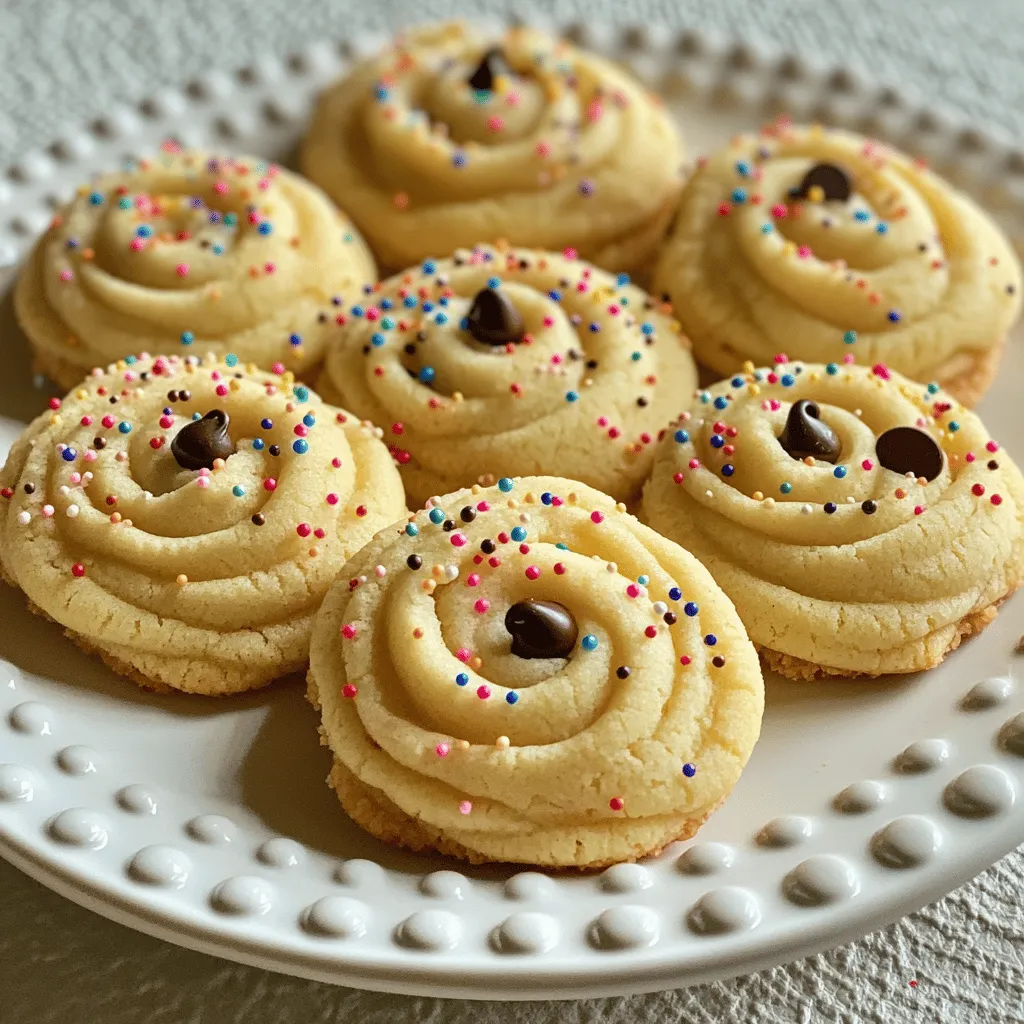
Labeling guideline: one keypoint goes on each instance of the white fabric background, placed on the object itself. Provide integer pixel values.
(63, 61)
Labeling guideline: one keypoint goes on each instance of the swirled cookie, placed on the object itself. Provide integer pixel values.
(510, 363)
(448, 139)
(184, 252)
(809, 241)
(526, 673)
(861, 523)
(183, 518)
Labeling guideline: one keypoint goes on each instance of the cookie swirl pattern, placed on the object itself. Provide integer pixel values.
(184, 518)
(508, 363)
(861, 523)
(526, 673)
(448, 139)
(185, 252)
(818, 242)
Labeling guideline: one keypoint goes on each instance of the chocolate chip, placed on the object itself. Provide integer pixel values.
(274, 450)
(832, 180)
(805, 434)
(869, 507)
(491, 65)
(468, 514)
(622, 671)
(488, 547)
(99, 443)
(259, 519)
(493, 320)
(909, 450)
(200, 442)
(30, 488)
(541, 629)
(414, 562)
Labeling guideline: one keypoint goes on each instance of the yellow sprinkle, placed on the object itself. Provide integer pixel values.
(182, 580)
(457, 396)
(620, 506)
(437, 571)
(462, 744)
(476, 662)
(572, 497)
(218, 465)
(475, 489)
(429, 586)
(758, 496)
(816, 194)
(748, 367)
(530, 498)
(54, 420)
(115, 517)
(754, 389)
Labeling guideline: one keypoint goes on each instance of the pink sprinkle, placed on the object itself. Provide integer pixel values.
(473, 579)
(67, 275)
(694, 463)
(203, 482)
(483, 692)
(996, 499)
(165, 422)
(222, 390)
(481, 606)
(181, 270)
(602, 421)
(678, 477)
(779, 210)
(548, 321)
(559, 568)
(651, 632)
(458, 539)
(47, 511)
(616, 803)
(495, 123)
(556, 501)
(918, 509)
(543, 149)
(91, 455)
(614, 310)
(804, 252)
(277, 368)
(442, 750)
(465, 807)
(137, 244)
(336, 463)
(685, 660)
(594, 110)
(76, 478)
(332, 499)
(373, 313)
(270, 484)
(532, 572)
(86, 421)
(483, 506)
(303, 529)
(524, 549)
(881, 370)
(569, 253)
(772, 378)
(108, 421)
(633, 590)
(867, 464)
(848, 358)
(781, 359)
(463, 654)
(220, 187)
(349, 690)
(349, 631)
(597, 517)
(991, 446)
(970, 457)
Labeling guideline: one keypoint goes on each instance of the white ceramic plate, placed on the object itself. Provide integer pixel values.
(208, 823)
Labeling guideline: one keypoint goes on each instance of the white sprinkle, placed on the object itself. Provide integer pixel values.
(23, 518)
(612, 567)
(72, 511)
(65, 490)
(524, 517)
(660, 607)
(850, 500)
(710, 494)
(380, 571)
(451, 572)
(806, 510)
(362, 579)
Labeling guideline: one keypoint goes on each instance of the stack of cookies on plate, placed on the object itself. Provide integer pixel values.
(554, 659)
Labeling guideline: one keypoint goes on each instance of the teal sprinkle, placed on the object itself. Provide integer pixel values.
(636, 356)
(518, 534)
(505, 484)
(832, 369)
(187, 337)
(571, 396)
(785, 487)
(953, 426)
(643, 580)
(131, 360)
(411, 529)
(849, 337)
(767, 229)
(301, 392)
(705, 398)
(387, 323)
(230, 220)
(231, 359)
(437, 516)
(932, 388)
(124, 203)
(238, 491)
(348, 237)
(589, 642)
(562, 547)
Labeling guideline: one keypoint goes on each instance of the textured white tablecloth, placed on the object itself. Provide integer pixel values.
(62, 61)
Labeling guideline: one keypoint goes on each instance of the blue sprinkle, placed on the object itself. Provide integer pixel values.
(377, 340)
(464, 324)
(589, 642)
(301, 446)
(505, 484)
(621, 280)
(689, 770)
(124, 428)
(436, 516)
(441, 319)
(717, 441)
(861, 215)
(742, 168)
(143, 231)
(690, 608)
(459, 159)
(265, 227)
(739, 195)
(494, 282)
(674, 594)
(429, 267)
(387, 304)
(309, 419)
(518, 533)
(462, 679)
(381, 93)
(681, 437)
(647, 328)
(95, 198)
(728, 469)
(788, 380)
(409, 301)
(881, 227)
(428, 307)
(711, 639)
(555, 296)
(266, 423)
(894, 316)
(511, 697)
(295, 339)
(69, 455)
(426, 375)
(545, 498)
(737, 382)
(721, 402)
(571, 396)
(259, 444)
(357, 310)
(187, 337)
(594, 328)
(839, 472)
